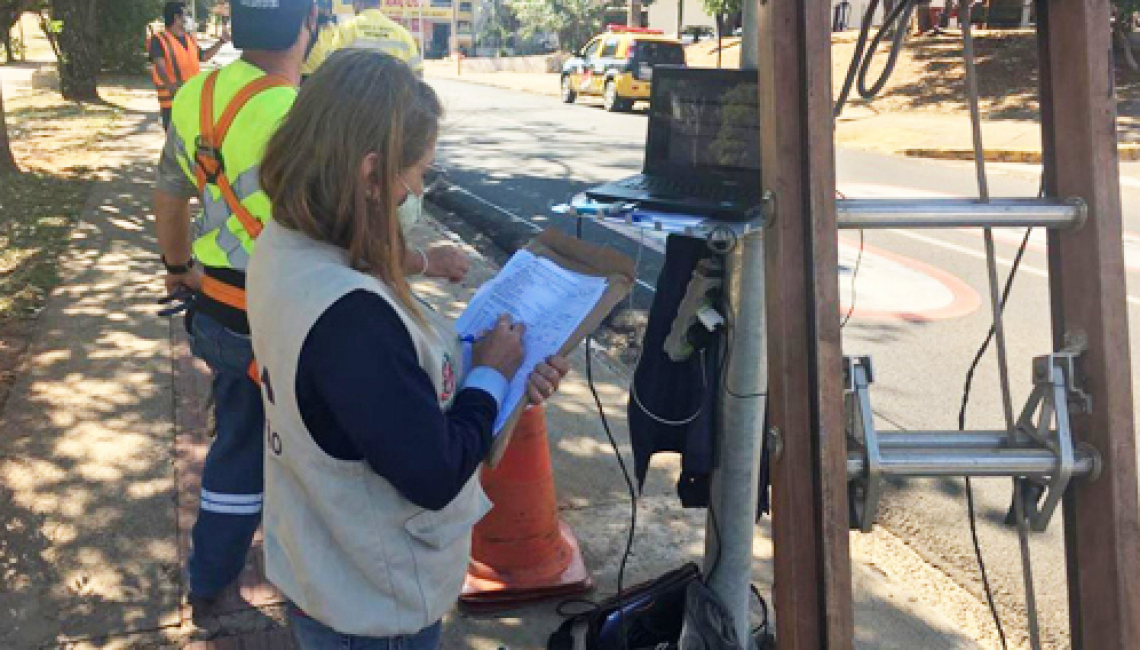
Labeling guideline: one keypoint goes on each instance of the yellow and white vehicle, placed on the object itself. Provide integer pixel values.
(618, 66)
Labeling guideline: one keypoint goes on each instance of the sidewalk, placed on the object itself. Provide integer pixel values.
(102, 436)
(921, 134)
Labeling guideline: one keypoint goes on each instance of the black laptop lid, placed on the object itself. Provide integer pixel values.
(703, 122)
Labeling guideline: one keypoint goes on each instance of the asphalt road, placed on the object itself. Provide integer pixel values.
(920, 300)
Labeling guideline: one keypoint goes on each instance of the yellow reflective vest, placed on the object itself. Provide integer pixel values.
(221, 240)
(371, 30)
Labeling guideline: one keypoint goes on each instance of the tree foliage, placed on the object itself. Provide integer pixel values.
(122, 32)
(500, 27)
(575, 21)
(722, 7)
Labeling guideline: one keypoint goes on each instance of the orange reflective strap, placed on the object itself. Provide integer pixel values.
(224, 293)
(254, 372)
(210, 166)
(205, 133)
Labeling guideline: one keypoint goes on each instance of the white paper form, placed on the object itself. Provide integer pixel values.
(550, 300)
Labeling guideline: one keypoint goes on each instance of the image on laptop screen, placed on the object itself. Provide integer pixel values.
(708, 121)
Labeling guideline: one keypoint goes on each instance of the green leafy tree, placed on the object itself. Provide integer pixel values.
(122, 32)
(723, 11)
(501, 26)
(575, 21)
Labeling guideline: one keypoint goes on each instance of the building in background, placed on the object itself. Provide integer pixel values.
(433, 23)
(674, 16)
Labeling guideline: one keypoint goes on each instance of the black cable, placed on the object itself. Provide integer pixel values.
(962, 427)
(854, 275)
(763, 627)
(861, 63)
(625, 474)
(629, 485)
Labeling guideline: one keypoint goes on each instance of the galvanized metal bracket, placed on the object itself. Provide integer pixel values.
(864, 492)
(1040, 450)
(1046, 420)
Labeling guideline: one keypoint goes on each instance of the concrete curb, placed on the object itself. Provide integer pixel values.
(1128, 152)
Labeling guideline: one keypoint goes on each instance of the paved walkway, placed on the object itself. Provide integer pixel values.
(102, 437)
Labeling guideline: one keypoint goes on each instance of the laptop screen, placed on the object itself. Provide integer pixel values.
(703, 119)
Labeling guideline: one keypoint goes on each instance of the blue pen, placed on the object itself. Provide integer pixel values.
(470, 338)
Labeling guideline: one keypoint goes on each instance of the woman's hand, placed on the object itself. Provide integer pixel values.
(545, 378)
(501, 348)
(447, 261)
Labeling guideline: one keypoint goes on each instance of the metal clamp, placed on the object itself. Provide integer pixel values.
(865, 491)
(1040, 450)
(1046, 420)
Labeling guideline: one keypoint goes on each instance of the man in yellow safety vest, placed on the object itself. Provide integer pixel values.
(369, 29)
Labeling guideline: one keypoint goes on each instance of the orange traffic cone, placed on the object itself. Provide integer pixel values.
(521, 552)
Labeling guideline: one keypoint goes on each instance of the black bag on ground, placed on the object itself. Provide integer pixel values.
(652, 613)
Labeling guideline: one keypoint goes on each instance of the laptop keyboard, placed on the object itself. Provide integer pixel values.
(683, 188)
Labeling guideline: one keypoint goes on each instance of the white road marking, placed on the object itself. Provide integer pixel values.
(981, 256)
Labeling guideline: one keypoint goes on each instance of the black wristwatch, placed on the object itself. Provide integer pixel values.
(177, 269)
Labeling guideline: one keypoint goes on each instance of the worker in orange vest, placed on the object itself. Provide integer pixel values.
(176, 56)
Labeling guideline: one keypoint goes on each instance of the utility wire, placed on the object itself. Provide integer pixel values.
(997, 333)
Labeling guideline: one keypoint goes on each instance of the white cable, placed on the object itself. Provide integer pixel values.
(673, 423)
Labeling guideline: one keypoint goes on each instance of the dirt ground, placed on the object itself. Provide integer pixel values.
(930, 74)
(57, 145)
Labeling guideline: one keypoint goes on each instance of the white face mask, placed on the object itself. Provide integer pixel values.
(411, 209)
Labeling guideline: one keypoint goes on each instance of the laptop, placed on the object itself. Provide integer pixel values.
(702, 154)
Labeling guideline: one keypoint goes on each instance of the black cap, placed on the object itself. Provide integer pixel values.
(267, 24)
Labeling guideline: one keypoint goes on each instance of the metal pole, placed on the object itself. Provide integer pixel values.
(749, 49)
(420, 9)
(733, 491)
(935, 461)
(960, 213)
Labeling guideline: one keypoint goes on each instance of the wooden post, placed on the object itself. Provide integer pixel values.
(809, 478)
(1087, 277)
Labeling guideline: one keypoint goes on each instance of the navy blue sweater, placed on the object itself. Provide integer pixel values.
(363, 395)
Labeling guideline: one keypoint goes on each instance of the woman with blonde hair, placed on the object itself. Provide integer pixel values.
(375, 427)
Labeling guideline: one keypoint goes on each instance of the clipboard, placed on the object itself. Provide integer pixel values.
(588, 259)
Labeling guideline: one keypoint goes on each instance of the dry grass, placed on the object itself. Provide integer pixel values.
(930, 74)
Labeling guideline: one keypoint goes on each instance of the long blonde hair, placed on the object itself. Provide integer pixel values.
(357, 103)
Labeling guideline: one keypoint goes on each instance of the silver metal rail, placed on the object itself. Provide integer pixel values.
(961, 213)
(933, 462)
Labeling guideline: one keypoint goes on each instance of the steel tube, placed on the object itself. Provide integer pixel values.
(950, 440)
(916, 462)
(961, 213)
(733, 494)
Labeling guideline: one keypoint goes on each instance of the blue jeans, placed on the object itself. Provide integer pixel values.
(229, 509)
(311, 634)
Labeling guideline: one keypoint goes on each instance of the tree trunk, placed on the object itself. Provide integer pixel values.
(1125, 46)
(719, 38)
(79, 46)
(7, 22)
(7, 161)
